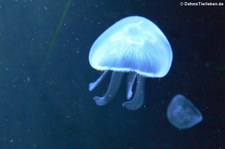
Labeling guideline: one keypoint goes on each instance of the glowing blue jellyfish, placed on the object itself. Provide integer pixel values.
(182, 114)
(134, 45)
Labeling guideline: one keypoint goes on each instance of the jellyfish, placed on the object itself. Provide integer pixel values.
(133, 45)
(182, 114)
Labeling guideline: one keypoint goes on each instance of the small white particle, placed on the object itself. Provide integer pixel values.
(11, 141)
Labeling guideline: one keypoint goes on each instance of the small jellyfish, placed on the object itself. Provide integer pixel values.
(134, 45)
(182, 114)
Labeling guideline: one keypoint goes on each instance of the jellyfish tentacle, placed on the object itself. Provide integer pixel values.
(130, 84)
(92, 85)
(138, 98)
(112, 90)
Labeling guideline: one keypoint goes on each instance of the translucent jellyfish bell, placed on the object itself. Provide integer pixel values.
(182, 114)
(134, 45)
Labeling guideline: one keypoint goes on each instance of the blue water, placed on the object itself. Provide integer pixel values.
(55, 110)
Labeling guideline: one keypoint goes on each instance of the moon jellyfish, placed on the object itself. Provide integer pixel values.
(182, 114)
(133, 45)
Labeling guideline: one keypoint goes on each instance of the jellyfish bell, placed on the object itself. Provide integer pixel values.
(182, 113)
(134, 45)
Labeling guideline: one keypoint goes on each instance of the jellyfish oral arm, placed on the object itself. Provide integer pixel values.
(92, 85)
(138, 98)
(130, 84)
(112, 90)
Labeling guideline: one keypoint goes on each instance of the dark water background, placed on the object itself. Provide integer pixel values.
(56, 111)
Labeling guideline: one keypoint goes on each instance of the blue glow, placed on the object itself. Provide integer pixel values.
(133, 44)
